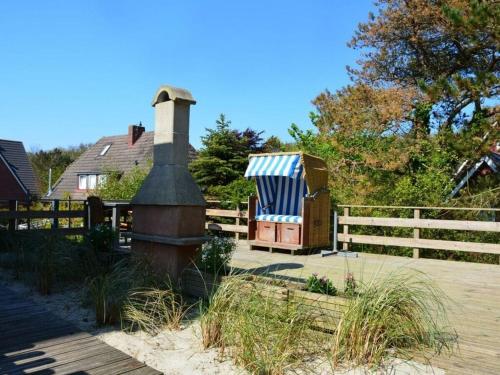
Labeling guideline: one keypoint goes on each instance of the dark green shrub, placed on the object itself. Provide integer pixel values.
(102, 238)
(215, 255)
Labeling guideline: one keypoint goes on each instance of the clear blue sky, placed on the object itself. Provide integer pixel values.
(73, 71)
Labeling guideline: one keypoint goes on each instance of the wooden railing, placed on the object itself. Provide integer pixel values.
(55, 215)
(60, 215)
(417, 224)
(238, 227)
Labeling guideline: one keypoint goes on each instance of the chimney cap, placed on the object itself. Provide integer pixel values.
(165, 93)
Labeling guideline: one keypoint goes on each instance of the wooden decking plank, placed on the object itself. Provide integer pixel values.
(35, 340)
(19, 356)
(23, 358)
(84, 364)
(118, 366)
(23, 332)
(31, 337)
(62, 358)
(62, 340)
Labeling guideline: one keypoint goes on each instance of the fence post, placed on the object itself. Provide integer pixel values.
(69, 209)
(416, 233)
(237, 236)
(115, 226)
(345, 244)
(13, 221)
(335, 230)
(55, 209)
(86, 216)
(28, 208)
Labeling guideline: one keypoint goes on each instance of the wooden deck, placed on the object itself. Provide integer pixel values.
(33, 340)
(473, 289)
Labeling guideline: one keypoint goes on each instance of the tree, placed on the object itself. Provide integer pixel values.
(224, 155)
(448, 49)
(57, 159)
(122, 187)
(273, 144)
(420, 102)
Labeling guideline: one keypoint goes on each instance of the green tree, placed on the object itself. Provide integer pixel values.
(57, 159)
(422, 99)
(224, 155)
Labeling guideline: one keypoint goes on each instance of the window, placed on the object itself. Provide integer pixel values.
(105, 149)
(82, 182)
(90, 181)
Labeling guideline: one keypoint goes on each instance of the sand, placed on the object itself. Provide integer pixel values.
(171, 352)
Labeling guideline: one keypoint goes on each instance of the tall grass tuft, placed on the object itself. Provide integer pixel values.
(400, 315)
(152, 309)
(262, 334)
(108, 291)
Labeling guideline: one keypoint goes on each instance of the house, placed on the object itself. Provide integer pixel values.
(488, 164)
(118, 153)
(17, 179)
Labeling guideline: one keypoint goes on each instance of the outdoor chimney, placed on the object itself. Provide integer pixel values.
(134, 133)
(169, 209)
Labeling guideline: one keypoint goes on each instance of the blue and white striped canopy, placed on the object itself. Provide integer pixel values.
(280, 186)
(274, 165)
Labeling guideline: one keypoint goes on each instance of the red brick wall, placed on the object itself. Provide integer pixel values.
(9, 188)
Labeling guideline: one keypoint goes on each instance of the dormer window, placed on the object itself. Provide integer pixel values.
(105, 149)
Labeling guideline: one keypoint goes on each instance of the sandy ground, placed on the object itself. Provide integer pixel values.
(171, 352)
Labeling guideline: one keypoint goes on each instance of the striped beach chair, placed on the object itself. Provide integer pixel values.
(281, 181)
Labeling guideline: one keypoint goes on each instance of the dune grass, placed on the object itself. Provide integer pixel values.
(260, 333)
(108, 291)
(399, 315)
(153, 309)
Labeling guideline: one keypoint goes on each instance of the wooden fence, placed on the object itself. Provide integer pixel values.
(240, 222)
(67, 217)
(62, 216)
(417, 224)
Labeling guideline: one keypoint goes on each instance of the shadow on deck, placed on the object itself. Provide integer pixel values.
(33, 339)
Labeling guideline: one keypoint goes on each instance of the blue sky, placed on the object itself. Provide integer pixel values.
(74, 71)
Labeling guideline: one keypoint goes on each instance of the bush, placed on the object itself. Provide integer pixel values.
(215, 255)
(102, 238)
(320, 285)
(399, 315)
(261, 334)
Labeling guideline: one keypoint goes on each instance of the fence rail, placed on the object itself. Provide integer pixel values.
(217, 220)
(417, 223)
(21, 215)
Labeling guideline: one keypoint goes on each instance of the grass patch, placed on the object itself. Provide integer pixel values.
(399, 315)
(153, 309)
(260, 333)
